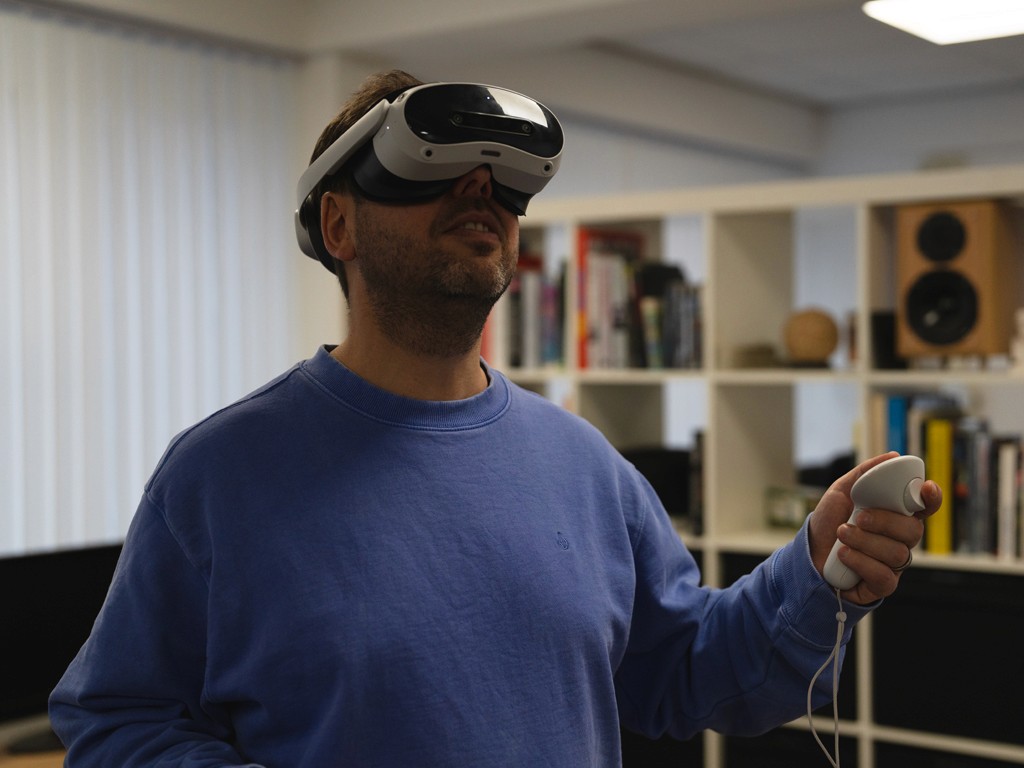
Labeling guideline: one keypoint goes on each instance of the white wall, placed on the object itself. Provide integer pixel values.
(602, 160)
(982, 128)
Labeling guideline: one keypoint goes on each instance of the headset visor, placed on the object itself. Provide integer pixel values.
(435, 133)
(414, 145)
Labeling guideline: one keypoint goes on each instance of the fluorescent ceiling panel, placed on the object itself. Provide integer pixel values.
(951, 21)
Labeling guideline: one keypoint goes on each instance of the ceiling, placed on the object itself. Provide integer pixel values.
(832, 54)
(765, 70)
(824, 52)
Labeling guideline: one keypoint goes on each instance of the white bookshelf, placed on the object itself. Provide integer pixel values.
(747, 263)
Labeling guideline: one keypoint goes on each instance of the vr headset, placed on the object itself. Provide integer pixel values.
(412, 146)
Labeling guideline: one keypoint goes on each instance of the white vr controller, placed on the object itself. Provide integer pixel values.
(894, 485)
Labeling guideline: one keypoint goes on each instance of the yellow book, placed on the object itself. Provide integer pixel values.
(938, 465)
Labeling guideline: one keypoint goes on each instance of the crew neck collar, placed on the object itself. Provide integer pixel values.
(378, 404)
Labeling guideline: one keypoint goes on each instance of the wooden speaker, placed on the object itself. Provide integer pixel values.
(956, 279)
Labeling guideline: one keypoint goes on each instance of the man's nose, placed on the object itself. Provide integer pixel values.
(475, 183)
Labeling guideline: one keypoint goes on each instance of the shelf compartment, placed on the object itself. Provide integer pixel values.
(750, 440)
(751, 257)
(630, 416)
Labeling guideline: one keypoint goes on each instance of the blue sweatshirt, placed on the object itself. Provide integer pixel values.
(327, 574)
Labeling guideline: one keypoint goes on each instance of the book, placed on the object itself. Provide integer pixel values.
(651, 312)
(1007, 483)
(524, 298)
(683, 326)
(552, 325)
(896, 423)
(973, 512)
(655, 314)
(889, 416)
(604, 263)
(607, 308)
(938, 459)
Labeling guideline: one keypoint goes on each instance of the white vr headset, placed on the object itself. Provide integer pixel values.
(426, 137)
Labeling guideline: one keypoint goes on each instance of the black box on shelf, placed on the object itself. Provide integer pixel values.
(947, 654)
(668, 471)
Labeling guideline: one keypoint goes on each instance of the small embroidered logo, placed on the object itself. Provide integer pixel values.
(562, 541)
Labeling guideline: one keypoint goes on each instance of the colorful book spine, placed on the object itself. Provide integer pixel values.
(938, 458)
(897, 423)
(604, 260)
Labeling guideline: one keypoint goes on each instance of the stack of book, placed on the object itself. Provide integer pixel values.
(978, 469)
(632, 313)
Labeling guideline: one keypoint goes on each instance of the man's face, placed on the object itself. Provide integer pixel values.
(460, 248)
(422, 262)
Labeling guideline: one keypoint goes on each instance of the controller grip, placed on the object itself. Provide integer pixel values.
(894, 484)
(835, 572)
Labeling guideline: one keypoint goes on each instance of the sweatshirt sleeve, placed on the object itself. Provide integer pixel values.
(737, 660)
(131, 697)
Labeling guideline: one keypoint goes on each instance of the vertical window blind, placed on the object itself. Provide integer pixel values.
(146, 255)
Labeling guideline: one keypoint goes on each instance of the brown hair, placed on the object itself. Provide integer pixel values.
(370, 92)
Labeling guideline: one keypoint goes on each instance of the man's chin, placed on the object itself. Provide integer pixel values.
(476, 292)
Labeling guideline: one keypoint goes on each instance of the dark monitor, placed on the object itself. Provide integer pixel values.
(50, 601)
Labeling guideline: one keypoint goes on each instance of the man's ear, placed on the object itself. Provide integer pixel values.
(335, 211)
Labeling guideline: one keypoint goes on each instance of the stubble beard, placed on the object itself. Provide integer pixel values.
(425, 299)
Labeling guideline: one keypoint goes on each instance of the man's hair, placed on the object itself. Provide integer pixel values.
(370, 92)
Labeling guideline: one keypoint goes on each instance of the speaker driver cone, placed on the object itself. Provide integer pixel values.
(941, 237)
(942, 307)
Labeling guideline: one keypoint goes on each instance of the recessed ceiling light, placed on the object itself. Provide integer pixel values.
(951, 21)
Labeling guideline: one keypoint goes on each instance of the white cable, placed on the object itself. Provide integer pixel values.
(834, 658)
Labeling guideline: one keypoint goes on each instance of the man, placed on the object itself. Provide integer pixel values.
(392, 556)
